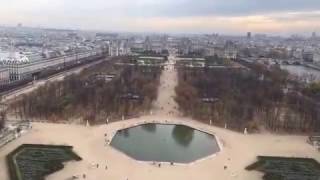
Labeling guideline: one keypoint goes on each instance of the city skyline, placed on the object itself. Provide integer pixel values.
(182, 16)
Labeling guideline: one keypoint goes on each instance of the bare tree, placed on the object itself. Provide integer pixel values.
(2, 119)
(243, 99)
(90, 97)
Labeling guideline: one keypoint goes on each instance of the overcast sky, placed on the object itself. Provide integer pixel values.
(171, 16)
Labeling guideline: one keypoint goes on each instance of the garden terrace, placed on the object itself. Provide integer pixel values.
(191, 56)
(280, 168)
(151, 61)
(206, 62)
(34, 162)
(142, 61)
(163, 53)
(314, 140)
(191, 63)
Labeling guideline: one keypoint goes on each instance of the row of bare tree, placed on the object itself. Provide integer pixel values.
(2, 121)
(240, 98)
(87, 96)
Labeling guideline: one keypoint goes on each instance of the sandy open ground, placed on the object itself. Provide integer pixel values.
(89, 142)
(237, 152)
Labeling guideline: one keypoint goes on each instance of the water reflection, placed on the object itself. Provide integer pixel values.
(124, 132)
(183, 135)
(164, 143)
(150, 127)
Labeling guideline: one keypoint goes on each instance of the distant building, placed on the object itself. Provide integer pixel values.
(4, 76)
(230, 50)
(260, 36)
(185, 46)
(13, 58)
(119, 48)
(307, 56)
(248, 35)
(114, 48)
(314, 35)
(147, 45)
(311, 55)
(297, 53)
(210, 51)
(316, 56)
(72, 35)
(106, 36)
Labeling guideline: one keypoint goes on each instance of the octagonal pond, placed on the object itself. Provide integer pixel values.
(165, 143)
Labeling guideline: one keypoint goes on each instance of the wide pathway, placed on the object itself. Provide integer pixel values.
(165, 103)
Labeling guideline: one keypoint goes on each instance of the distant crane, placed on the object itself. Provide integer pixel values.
(12, 50)
(44, 45)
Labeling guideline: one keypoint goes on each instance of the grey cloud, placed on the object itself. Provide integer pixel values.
(224, 7)
(186, 8)
(304, 16)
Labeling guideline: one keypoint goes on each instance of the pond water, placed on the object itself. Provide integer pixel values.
(165, 143)
(302, 71)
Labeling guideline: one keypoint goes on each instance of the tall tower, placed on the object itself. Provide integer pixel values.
(248, 35)
(44, 45)
(12, 50)
(147, 44)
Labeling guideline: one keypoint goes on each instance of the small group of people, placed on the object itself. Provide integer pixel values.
(84, 176)
(170, 113)
(97, 166)
(159, 164)
(106, 140)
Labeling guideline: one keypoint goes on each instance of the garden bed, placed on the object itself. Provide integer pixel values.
(34, 162)
(282, 168)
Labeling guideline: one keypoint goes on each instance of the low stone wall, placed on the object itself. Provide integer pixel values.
(9, 134)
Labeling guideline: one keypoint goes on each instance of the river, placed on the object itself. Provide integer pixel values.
(302, 72)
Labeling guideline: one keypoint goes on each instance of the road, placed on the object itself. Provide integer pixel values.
(36, 84)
